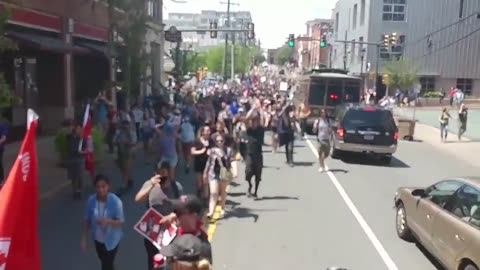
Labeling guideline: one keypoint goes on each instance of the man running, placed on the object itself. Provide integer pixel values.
(323, 129)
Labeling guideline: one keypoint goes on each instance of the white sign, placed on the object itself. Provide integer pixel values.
(283, 86)
(263, 79)
(417, 88)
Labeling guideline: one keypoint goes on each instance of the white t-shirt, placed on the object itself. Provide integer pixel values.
(137, 115)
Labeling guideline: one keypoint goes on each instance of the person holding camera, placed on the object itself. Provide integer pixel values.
(157, 192)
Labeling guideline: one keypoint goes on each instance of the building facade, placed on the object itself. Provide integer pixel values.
(201, 40)
(439, 37)
(315, 30)
(61, 57)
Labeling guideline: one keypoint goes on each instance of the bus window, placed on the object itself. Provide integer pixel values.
(317, 93)
(334, 92)
(352, 91)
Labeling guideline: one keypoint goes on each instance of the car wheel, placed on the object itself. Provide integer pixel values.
(403, 231)
(334, 153)
(470, 267)
(386, 160)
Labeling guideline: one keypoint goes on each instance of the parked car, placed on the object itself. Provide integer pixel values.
(445, 219)
(364, 129)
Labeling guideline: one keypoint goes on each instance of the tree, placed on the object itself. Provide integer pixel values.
(214, 59)
(7, 98)
(284, 55)
(402, 74)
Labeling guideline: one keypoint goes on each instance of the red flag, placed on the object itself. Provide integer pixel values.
(88, 140)
(19, 243)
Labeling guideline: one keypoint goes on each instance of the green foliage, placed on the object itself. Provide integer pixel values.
(244, 58)
(283, 55)
(432, 94)
(7, 98)
(98, 145)
(402, 74)
(61, 144)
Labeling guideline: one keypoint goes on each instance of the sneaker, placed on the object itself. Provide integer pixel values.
(222, 213)
(321, 169)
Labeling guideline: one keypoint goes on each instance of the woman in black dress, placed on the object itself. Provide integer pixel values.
(200, 155)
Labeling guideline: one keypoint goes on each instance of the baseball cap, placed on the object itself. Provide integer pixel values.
(187, 204)
(187, 248)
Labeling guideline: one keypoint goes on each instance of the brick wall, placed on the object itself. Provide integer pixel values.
(83, 11)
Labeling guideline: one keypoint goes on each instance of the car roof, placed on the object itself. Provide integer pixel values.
(470, 180)
(358, 106)
(334, 75)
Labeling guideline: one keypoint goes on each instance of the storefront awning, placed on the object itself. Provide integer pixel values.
(94, 48)
(44, 43)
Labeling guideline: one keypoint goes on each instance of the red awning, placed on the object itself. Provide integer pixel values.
(45, 43)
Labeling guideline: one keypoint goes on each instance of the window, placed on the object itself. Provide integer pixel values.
(368, 118)
(362, 12)
(152, 9)
(460, 12)
(466, 85)
(441, 192)
(465, 204)
(394, 10)
(427, 83)
(337, 21)
(354, 22)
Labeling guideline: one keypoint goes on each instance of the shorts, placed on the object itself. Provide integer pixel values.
(173, 161)
(324, 149)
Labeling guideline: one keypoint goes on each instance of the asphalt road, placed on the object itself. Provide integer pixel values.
(310, 220)
(303, 217)
(61, 220)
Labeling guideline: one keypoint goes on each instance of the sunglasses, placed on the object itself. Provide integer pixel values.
(219, 140)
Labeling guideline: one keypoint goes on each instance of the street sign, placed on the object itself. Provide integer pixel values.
(173, 35)
(201, 32)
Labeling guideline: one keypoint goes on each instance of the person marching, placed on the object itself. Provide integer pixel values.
(322, 127)
(286, 132)
(254, 138)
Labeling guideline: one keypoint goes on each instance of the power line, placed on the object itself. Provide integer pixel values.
(452, 43)
(440, 30)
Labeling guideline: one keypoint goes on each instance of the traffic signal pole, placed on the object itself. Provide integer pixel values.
(224, 65)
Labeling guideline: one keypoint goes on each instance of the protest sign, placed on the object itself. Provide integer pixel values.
(149, 227)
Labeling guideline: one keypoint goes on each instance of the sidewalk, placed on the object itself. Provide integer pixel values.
(52, 179)
(429, 116)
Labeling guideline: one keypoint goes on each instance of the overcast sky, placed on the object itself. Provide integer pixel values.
(274, 19)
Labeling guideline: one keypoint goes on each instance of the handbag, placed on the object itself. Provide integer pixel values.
(225, 173)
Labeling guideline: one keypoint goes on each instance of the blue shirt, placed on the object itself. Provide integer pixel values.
(113, 210)
(3, 132)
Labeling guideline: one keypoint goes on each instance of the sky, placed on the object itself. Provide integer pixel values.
(274, 19)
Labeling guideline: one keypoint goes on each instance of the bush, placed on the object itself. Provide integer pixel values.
(432, 94)
(61, 144)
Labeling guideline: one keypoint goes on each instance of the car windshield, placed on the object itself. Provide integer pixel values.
(368, 117)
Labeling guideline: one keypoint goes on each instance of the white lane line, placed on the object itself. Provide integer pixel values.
(366, 228)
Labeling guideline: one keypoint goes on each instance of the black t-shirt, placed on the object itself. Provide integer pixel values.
(254, 140)
(201, 160)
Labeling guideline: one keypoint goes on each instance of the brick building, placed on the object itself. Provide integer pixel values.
(315, 29)
(61, 57)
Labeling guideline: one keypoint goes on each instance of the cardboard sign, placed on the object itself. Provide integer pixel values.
(149, 227)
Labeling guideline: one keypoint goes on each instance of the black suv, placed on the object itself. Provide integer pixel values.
(364, 129)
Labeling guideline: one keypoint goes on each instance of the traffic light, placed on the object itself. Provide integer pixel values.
(291, 40)
(251, 31)
(323, 42)
(393, 40)
(385, 79)
(213, 30)
(386, 40)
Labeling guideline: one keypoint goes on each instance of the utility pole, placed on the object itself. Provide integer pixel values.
(228, 3)
(111, 54)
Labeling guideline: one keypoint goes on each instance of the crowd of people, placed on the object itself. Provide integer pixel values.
(210, 129)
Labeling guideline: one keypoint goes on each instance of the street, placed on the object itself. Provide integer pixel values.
(302, 216)
(304, 219)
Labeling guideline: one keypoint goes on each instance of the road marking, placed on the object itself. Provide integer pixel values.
(366, 228)
(216, 216)
(53, 191)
